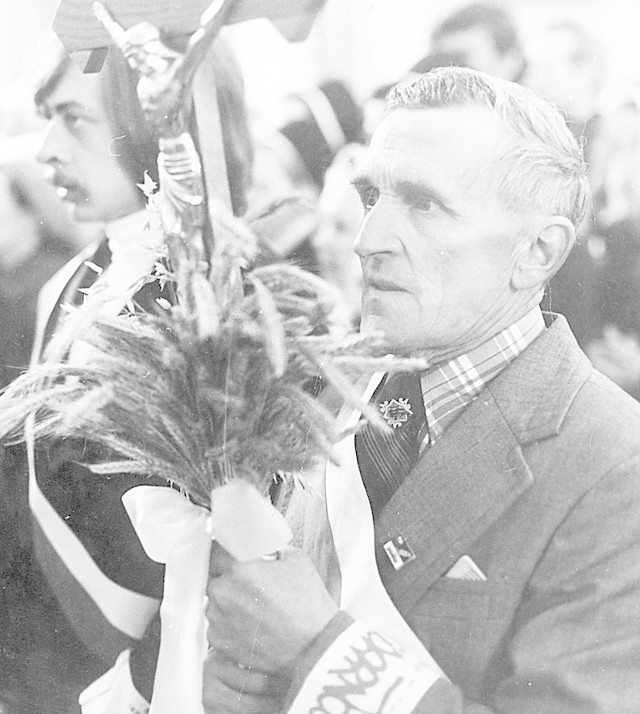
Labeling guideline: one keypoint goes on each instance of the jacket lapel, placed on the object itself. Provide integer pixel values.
(78, 277)
(65, 288)
(459, 487)
(466, 480)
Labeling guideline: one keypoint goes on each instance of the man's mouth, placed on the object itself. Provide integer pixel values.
(68, 190)
(382, 284)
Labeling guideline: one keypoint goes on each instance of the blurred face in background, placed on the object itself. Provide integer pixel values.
(341, 214)
(566, 69)
(479, 51)
(82, 151)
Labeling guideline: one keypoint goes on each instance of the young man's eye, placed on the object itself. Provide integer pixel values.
(73, 118)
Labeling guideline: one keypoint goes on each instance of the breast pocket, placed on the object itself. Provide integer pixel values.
(453, 598)
(463, 624)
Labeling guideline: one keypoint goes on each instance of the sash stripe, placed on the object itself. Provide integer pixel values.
(86, 594)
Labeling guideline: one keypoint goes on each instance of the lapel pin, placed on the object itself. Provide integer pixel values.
(396, 412)
(399, 552)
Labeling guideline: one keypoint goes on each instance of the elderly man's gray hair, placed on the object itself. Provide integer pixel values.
(543, 166)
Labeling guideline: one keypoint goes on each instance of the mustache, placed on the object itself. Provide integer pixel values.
(60, 179)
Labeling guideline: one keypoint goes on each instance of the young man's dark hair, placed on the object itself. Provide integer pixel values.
(137, 145)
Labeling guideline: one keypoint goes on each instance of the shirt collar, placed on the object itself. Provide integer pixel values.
(133, 234)
(450, 386)
(135, 243)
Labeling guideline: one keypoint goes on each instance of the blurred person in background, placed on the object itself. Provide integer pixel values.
(616, 175)
(616, 352)
(322, 121)
(37, 237)
(340, 214)
(566, 65)
(480, 36)
(292, 161)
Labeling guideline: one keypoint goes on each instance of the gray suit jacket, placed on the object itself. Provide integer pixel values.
(538, 481)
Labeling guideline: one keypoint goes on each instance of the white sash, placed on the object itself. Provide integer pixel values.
(363, 595)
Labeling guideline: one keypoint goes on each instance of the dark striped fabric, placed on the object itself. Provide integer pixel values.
(386, 457)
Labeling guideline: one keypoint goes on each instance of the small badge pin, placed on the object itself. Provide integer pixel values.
(399, 552)
(396, 412)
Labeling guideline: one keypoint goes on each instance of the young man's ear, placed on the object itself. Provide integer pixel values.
(540, 257)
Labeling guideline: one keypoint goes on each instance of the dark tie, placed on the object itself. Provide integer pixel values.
(385, 458)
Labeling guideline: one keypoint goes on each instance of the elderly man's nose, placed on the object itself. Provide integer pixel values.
(375, 234)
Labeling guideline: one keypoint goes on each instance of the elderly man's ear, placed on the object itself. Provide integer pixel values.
(541, 254)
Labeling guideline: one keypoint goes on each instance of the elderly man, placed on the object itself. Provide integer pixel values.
(495, 565)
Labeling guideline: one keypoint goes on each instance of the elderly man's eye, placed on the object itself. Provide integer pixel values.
(424, 203)
(370, 197)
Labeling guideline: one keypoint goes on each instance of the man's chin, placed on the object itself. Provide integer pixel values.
(391, 337)
(380, 332)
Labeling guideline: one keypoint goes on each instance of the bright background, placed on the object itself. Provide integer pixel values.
(365, 42)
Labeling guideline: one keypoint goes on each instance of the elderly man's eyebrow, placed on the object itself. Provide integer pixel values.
(366, 189)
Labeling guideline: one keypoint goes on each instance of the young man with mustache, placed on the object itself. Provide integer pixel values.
(97, 149)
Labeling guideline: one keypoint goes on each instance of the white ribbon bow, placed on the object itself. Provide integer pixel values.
(178, 533)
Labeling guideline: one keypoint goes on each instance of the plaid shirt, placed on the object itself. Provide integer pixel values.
(448, 387)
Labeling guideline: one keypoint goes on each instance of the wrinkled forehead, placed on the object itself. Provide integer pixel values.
(455, 140)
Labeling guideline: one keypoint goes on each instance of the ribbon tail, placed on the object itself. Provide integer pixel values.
(175, 532)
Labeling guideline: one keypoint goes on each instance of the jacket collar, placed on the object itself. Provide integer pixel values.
(536, 393)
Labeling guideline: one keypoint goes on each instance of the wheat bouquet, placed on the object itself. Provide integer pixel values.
(212, 393)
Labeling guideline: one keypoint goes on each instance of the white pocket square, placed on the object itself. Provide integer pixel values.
(465, 569)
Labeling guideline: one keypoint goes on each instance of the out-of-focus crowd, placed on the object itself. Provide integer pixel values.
(312, 156)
